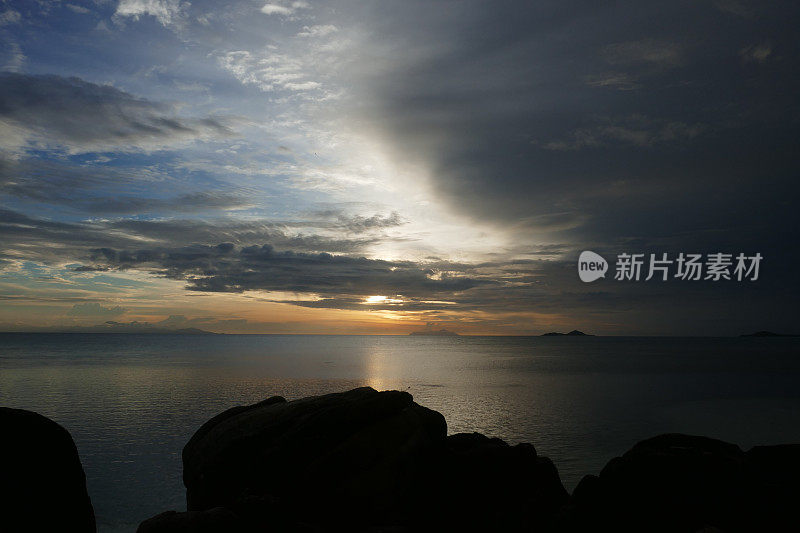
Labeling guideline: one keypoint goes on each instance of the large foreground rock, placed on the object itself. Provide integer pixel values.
(357, 461)
(357, 452)
(483, 484)
(42, 483)
(681, 483)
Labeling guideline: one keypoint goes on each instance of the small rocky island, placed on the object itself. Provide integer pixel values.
(377, 462)
(573, 333)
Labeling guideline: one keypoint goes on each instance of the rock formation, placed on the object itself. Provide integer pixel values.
(42, 483)
(357, 461)
(682, 483)
(367, 461)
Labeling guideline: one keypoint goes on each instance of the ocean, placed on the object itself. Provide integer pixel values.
(132, 401)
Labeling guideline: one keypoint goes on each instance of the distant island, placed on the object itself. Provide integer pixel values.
(573, 333)
(436, 333)
(768, 334)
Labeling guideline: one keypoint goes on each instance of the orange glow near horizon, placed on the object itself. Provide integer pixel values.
(160, 301)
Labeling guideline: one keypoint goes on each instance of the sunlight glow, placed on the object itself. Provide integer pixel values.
(377, 299)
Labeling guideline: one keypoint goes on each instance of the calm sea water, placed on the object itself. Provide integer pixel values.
(132, 401)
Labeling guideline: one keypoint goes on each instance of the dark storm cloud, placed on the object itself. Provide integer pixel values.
(85, 116)
(621, 127)
(181, 232)
(27, 238)
(23, 237)
(227, 268)
(89, 189)
(632, 119)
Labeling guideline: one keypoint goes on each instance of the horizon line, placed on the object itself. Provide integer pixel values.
(205, 332)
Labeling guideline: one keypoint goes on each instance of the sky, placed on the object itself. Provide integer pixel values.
(385, 167)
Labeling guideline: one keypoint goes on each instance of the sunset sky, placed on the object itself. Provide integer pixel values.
(372, 167)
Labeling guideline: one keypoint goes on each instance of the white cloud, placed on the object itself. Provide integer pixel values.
(271, 72)
(79, 9)
(274, 9)
(321, 30)
(167, 12)
(285, 10)
(9, 17)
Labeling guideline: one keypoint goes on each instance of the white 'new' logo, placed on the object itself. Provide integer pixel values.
(591, 266)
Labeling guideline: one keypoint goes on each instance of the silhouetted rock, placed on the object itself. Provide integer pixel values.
(344, 457)
(573, 333)
(681, 483)
(42, 483)
(483, 484)
(362, 461)
(776, 471)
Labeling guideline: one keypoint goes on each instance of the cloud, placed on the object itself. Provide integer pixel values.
(613, 80)
(272, 72)
(518, 114)
(12, 57)
(185, 203)
(227, 268)
(94, 310)
(643, 51)
(541, 123)
(276, 9)
(498, 294)
(96, 190)
(9, 16)
(636, 130)
(320, 30)
(361, 224)
(756, 52)
(83, 116)
(284, 9)
(24, 237)
(166, 12)
(79, 9)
